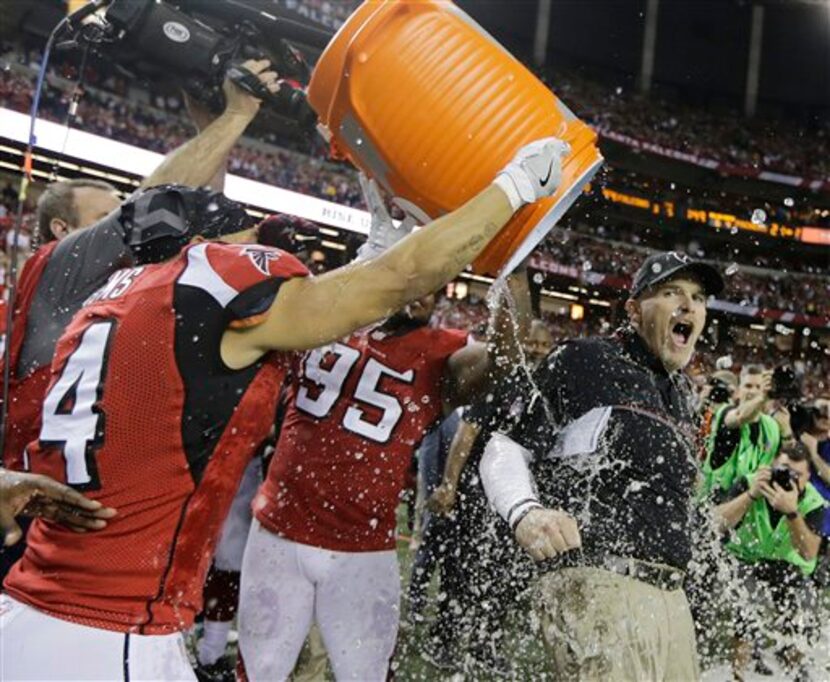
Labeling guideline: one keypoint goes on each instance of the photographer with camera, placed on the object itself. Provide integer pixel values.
(743, 436)
(776, 516)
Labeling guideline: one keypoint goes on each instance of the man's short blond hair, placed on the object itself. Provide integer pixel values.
(747, 370)
(58, 201)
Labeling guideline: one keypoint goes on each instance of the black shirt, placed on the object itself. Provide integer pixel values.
(614, 442)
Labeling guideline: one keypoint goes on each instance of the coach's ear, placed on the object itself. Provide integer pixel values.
(632, 307)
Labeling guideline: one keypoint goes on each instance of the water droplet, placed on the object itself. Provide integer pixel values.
(586, 265)
(538, 278)
(656, 268)
(359, 141)
(731, 269)
(362, 57)
(373, 523)
(759, 216)
(212, 207)
(806, 331)
(788, 201)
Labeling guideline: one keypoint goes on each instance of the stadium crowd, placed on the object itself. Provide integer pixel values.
(723, 136)
(749, 285)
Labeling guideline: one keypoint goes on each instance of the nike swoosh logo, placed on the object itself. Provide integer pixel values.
(547, 177)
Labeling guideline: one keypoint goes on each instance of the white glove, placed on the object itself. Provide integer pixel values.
(382, 232)
(534, 172)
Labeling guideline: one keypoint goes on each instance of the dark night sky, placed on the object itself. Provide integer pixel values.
(702, 45)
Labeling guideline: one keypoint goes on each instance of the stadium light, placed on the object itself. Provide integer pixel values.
(134, 161)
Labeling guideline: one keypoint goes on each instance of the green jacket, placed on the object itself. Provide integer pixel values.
(756, 540)
(747, 456)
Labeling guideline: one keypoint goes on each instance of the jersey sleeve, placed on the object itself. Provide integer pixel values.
(243, 278)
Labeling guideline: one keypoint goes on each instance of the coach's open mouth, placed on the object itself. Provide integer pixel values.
(681, 332)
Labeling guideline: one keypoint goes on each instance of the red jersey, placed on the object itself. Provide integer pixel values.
(143, 414)
(359, 410)
(25, 392)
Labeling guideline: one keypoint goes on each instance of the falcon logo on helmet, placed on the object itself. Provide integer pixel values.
(261, 257)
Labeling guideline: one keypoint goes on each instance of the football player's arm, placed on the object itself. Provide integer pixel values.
(201, 161)
(510, 324)
(310, 312)
(470, 370)
(36, 495)
(443, 498)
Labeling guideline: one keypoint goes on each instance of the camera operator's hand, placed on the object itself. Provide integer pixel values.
(544, 533)
(784, 501)
(240, 103)
(762, 477)
(442, 499)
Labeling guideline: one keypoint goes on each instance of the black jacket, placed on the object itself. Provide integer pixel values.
(613, 436)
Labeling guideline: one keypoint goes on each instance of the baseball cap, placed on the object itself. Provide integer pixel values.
(660, 267)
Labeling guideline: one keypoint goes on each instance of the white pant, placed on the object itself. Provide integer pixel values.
(36, 646)
(353, 596)
(231, 546)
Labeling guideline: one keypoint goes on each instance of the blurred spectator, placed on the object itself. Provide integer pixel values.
(816, 438)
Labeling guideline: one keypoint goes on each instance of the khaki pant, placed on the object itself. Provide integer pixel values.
(598, 625)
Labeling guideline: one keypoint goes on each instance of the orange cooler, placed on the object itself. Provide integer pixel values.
(421, 98)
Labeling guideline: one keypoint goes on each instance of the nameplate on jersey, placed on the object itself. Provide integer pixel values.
(117, 285)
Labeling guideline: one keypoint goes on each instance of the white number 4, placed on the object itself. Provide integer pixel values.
(71, 420)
